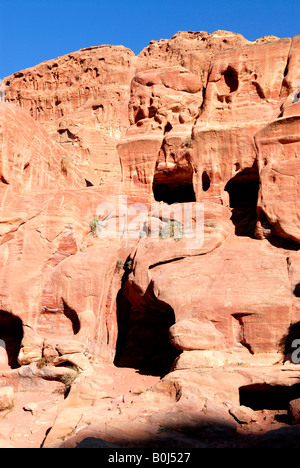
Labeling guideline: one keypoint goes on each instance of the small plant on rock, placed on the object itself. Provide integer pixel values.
(69, 378)
(120, 264)
(96, 226)
(129, 265)
(172, 230)
(44, 361)
(65, 164)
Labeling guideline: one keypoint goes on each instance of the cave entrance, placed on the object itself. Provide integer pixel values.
(174, 186)
(270, 397)
(11, 335)
(143, 337)
(243, 195)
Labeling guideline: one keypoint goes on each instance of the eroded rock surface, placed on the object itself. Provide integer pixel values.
(108, 160)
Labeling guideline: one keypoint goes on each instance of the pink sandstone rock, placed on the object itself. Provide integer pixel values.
(199, 118)
(81, 99)
(29, 159)
(278, 145)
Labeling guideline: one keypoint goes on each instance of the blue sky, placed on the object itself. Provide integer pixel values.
(32, 31)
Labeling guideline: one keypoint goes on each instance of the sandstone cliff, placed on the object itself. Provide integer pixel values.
(210, 120)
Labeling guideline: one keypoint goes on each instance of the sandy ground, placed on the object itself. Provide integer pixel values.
(25, 428)
(34, 413)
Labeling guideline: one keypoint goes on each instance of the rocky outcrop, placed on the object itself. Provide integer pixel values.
(81, 99)
(30, 160)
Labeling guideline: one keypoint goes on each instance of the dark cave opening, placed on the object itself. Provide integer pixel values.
(269, 397)
(143, 336)
(71, 314)
(205, 181)
(243, 194)
(11, 333)
(174, 186)
(231, 79)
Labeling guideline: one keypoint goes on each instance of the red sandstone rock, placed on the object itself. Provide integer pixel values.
(192, 334)
(169, 142)
(278, 146)
(29, 159)
(234, 290)
(201, 117)
(81, 99)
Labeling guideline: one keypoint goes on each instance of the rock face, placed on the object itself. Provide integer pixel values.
(29, 159)
(81, 99)
(108, 162)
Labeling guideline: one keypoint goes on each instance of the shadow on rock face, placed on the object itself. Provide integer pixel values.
(243, 195)
(11, 333)
(296, 291)
(205, 433)
(284, 437)
(290, 342)
(93, 442)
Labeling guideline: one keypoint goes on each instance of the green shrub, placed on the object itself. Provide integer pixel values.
(187, 145)
(65, 164)
(120, 263)
(96, 226)
(172, 230)
(68, 379)
(44, 361)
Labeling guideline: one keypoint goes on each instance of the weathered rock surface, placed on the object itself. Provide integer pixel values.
(207, 123)
(6, 398)
(192, 334)
(81, 99)
(30, 160)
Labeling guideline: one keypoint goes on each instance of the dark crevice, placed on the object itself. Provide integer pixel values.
(286, 67)
(140, 115)
(231, 79)
(259, 90)
(270, 397)
(241, 338)
(168, 128)
(243, 195)
(11, 332)
(143, 333)
(205, 181)
(284, 243)
(296, 290)
(71, 314)
(174, 186)
(167, 261)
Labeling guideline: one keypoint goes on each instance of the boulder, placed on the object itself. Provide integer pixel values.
(243, 414)
(198, 359)
(192, 334)
(7, 398)
(294, 411)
